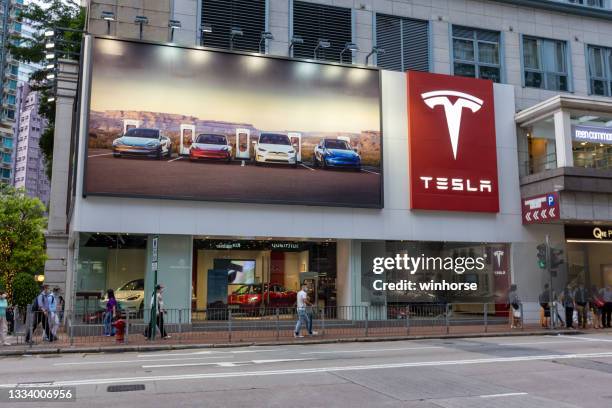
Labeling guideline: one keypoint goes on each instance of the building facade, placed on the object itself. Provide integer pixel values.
(29, 167)
(550, 64)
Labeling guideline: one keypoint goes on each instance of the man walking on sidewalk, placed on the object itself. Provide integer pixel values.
(40, 314)
(302, 302)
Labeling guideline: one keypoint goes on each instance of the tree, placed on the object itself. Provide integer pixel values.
(53, 15)
(25, 289)
(22, 242)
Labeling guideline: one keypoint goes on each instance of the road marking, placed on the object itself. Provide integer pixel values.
(589, 339)
(309, 168)
(209, 352)
(372, 350)
(538, 342)
(178, 377)
(369, 171)
(178, 158)
(508, 394)
(102, 154)
(226, 363)
(136, 361)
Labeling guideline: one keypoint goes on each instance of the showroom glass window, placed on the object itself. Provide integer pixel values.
(545, 64)
(220, 17)
(315, 22)
(600, 70)
(592, 154)
(405, 41)
(476, 53)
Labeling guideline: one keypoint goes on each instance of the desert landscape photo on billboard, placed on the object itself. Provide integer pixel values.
(197, 124)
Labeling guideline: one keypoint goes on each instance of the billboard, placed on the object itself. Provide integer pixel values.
(453, 154)
(196, 124)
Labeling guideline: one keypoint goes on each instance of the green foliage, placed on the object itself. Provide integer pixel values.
(55, 14)
(22, 242)
(25, 289)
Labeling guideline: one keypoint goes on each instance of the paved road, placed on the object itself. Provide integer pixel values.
(534, 371)
(178, 177)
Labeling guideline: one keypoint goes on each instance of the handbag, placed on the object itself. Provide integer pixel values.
(598, 303)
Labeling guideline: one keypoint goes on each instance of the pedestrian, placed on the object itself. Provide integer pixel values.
(52, 299)
(161, 310)
(544, 300)
(39, 311)
(515, 308)
(606, 313)
(597, 305)
(110, 313)
(302, 302)
(569, 304)
(581, 297)
(3, 322)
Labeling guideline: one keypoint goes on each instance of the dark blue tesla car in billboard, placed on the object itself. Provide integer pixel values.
(336, 153)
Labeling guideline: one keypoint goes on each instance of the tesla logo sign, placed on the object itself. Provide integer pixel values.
(453, 155)
(452, 111)
(498, 257)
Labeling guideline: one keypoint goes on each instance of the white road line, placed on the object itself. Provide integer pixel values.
(589, 339)
(136, 361)
(178, 377)
(97, 155)
(209, 352)
(225, 363)
(372, 350)
(309, 168)
(369, 171)
(508, 394)
(178, 158)
(538, 342)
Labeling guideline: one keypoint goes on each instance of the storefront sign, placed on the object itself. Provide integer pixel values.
(154, 244)
(540, 209)
(592, 134)
(588, 232)
(453, 155)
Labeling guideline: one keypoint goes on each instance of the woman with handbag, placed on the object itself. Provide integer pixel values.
(596, 306)
(606, 314)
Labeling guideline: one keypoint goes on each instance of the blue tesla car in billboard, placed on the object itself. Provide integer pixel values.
(336, 153)
(144, 143)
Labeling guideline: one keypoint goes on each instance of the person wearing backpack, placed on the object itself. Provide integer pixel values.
(3, 322)
(40, 314)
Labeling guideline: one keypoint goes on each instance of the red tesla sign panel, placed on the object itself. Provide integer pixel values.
(453, 157)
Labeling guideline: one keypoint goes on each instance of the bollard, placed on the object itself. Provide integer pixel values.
(277, 325)
(408, 320)
(229, 324)
(366, 321)
(180, 326)
(486, 317)
(127, 327)
(446, 318)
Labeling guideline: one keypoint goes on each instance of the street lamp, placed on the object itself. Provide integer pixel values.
(265, 35)
(349, 46)
(172, 24)
(49, 33)
(141, 20)
(235, 31)
(321, 44)
(49, 45)
(50, 56)
(375, 50)
(296, 39)
(108, 16)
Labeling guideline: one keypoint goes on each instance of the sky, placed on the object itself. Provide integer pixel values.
(270, 94)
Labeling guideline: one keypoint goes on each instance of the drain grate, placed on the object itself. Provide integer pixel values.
(125, 387)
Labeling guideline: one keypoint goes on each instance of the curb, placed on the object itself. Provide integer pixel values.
(162, 347)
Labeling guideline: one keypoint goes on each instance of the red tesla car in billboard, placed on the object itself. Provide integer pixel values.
(211, 147)
(248, 298)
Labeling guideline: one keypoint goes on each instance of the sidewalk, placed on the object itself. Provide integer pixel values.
(180, 341)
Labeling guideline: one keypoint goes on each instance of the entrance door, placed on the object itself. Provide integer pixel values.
(187, 135)
(130, 124)
(243, 143)
(296, 141)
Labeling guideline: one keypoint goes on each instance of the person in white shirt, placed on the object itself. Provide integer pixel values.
(302, 302)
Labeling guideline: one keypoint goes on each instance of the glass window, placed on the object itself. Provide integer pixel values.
(592, 143)
(600, 70)
(476, 53)
(545, 64)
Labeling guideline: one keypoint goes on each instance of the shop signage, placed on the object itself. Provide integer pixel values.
(540, 209)
(452, 147)
(154, 254)
(589, 232)
(592, 134)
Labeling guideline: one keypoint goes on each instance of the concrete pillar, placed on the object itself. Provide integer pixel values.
(57, 263)
(563, 139)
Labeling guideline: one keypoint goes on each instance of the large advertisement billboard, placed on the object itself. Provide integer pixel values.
(453, 150)
(172, 122)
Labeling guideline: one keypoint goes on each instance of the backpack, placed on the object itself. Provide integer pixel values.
(35, 305)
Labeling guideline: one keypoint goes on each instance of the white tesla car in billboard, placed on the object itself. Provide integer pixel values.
(275, 148)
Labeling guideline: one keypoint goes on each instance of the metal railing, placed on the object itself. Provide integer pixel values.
(265, 324)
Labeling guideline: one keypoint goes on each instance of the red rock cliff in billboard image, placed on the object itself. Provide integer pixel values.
(452, 148)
